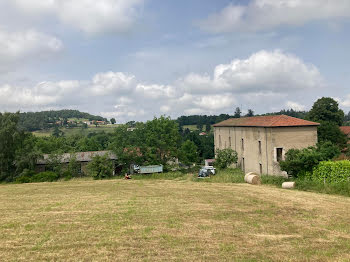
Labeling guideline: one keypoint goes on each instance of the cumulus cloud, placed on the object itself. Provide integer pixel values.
(16, 46)
(111, 83)
(295, 106)
(265, 14)
(264, 76)
(89, 16)
(271, 71)
(43, 94)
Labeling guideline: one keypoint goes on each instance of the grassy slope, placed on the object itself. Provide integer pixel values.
(153, 220)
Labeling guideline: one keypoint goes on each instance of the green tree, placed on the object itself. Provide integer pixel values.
(207, 128)
(326, 112)
(250, 113)
(113, 121)
(188, 152)
(73, 167)
(27, 154)
(329, 131)
(225, 157)
(57, 132)
(100, 167)
(237, 113)
(54, 163)
(326, 109)
(162, 139)
(10, 141)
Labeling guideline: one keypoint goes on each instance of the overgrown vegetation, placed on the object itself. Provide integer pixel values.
(225, 157)
(298, 162)
(100, 167)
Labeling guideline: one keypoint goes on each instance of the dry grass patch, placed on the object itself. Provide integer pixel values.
(152, 220)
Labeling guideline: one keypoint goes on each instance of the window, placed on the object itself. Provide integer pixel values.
(242, 144)
(279, 154)
(229, 142)
(260, 147)
(260, 167)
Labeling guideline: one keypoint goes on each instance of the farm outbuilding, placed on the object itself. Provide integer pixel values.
(81, 157)
(262, 141)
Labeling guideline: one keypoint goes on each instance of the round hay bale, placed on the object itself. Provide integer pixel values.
(288, 185)
(253, 179)
(249, 174)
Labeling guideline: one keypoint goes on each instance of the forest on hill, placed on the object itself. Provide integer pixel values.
(32, 121)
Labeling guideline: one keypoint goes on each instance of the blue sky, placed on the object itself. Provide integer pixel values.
(136, 59)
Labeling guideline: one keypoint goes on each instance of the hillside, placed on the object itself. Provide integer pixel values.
(34, 121)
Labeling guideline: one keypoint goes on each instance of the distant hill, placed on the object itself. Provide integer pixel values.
(33, 121)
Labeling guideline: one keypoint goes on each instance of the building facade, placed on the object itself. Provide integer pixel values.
(261, 142)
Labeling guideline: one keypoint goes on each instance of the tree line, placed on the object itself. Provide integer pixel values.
(158, 141)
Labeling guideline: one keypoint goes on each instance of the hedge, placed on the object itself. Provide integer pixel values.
(332, 171)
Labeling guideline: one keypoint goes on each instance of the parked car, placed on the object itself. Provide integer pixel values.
(206, 171)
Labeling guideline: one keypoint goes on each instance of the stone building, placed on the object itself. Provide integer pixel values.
(262, 141)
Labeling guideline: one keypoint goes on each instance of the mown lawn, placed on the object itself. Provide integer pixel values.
(170, 220)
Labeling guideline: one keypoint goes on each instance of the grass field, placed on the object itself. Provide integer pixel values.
(176, 220)
(191, 127)
(76, 130)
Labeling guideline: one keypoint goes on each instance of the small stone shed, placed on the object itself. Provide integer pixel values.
(82, 157)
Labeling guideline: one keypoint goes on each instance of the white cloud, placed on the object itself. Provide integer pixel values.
(261, 78)
(345, 102)
(265, 14)
(89, 16)
(110, 83)
(269, 71)
(16, 46)
(215, 102)
(295, 106)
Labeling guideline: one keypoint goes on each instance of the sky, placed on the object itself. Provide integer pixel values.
(137, 59)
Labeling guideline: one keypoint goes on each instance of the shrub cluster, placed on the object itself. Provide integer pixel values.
(300, 162)
(332, 172)
(31, 177)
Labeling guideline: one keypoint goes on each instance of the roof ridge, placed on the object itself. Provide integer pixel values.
(276, 119)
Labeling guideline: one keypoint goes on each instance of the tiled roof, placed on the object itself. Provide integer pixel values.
(80, 156)
(266, 121)
(345, 129)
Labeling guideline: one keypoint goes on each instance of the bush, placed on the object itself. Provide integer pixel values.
(332, 172)
(25, 176)
(100, 167)
(300, 161)
(225, 157)
(47, 176)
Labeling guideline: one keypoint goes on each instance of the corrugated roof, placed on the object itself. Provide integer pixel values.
(266, 121)
(345, 129)
(80, 156)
